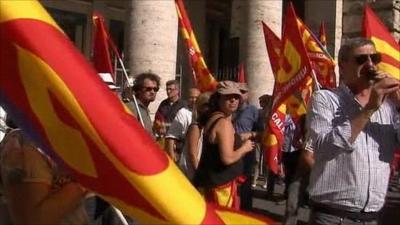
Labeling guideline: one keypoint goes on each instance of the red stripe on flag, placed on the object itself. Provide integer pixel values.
(390, 60)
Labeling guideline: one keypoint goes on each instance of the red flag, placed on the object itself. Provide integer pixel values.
(202, 76)
(321, 62)
(240, 75)
(98, 141)
(375, 30)
(101, 50)
(322, 35)
(292, 88)
(273, 47)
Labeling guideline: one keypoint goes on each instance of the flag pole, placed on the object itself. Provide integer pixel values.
(130, 85)
(317, 85)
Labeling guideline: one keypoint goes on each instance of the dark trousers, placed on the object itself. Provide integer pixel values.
(297, 196)
(271, 180)
(319, 218)
(246, 192)
(290, 161)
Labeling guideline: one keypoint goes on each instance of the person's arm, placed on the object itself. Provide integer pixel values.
(193, 136)
(29, 201)
(251, 135)
(380, 89)
(225, 138)
(29, 186)
(170, 148)
(307, 159)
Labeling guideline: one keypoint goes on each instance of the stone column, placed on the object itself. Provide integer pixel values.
(253, 51)
(153, 41)
(237, 18)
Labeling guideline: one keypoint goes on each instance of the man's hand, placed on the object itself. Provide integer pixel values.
(383, 86)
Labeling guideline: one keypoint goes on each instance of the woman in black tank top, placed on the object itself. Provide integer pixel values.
(220, 162)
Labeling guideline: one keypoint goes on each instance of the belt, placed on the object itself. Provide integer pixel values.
(360, 216)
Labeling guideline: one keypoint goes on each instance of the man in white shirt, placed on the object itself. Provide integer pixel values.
(3, 126)
(179, 126)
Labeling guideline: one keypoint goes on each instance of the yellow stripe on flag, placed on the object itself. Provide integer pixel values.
(60, 134)
(389, 68)
(29, 9)
(235, 218)
(187, 197)
(149, 188)
(383, 47)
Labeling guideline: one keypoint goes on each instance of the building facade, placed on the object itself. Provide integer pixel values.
(229, 32)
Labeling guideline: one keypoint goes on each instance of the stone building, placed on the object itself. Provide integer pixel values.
(228, 31)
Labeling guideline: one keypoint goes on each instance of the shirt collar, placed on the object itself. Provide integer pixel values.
(348, 92)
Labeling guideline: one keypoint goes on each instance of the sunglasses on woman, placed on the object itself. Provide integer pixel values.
(363, 58)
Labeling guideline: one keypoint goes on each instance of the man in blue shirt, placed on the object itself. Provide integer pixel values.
(245, 121)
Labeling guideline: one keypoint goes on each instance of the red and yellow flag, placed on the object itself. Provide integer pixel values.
(322, 35)
(321, 62)
(202, 76)
(101, 51)
(48, 87)
(273, 44)
(292, 88)
(241, 78)
(385, 43)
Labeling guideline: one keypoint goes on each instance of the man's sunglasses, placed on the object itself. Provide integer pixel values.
(363, 58)
(155, 89)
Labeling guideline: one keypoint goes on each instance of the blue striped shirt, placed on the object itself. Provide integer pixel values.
(350, 176)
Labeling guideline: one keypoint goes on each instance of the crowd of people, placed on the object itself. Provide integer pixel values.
(336, 159)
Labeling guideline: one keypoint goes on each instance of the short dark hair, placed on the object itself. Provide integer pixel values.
(172, 82)
(139, 81)
(350, 45)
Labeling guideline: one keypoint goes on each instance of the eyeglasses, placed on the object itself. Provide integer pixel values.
(155, 89)
(363, 58)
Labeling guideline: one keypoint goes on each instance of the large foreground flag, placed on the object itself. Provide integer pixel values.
(374, 29)
(202, 76)
(292, 88)
(48, 87)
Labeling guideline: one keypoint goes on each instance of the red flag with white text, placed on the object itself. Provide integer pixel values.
(292, 88)
(321, 61)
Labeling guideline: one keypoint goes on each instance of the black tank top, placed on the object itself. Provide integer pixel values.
(211, 172)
